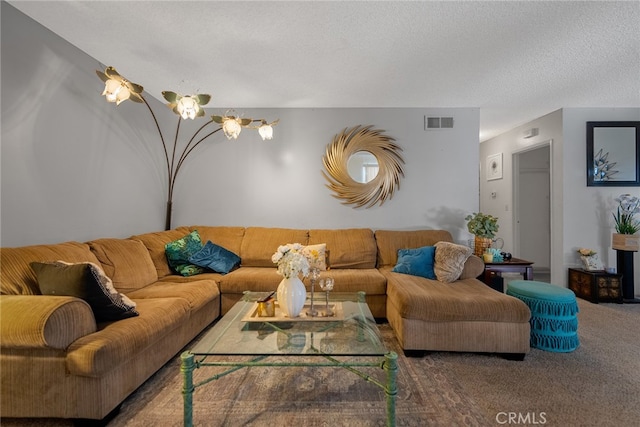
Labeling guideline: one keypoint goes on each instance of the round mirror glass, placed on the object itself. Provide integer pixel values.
(362, 166)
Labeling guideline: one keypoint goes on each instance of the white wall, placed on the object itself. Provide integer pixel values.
(77, 168)
(549, 129)
(581, 215)
(588, 220)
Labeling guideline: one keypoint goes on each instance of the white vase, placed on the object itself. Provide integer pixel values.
(291, 296)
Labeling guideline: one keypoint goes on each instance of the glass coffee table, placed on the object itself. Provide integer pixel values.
(350, 340)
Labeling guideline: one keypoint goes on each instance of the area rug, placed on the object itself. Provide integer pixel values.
(304, 396)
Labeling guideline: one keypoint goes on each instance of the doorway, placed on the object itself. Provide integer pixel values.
(532, 207)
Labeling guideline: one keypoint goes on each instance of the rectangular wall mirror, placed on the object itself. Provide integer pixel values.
(613, 154)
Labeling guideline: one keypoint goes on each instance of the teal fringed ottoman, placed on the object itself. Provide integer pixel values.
(554, 325)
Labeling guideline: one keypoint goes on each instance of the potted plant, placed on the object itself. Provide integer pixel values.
(484, 227)
(627, 226)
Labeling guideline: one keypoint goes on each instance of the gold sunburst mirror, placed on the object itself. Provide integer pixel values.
(363, 166)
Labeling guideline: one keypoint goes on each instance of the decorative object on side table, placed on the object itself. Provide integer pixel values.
(484, 227)
(118, 89)
(291, 265)
(589, 259)
(626, 241)
(496, 255)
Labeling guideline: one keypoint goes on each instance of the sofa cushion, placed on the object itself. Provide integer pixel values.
(88, 282)
(449, 261)
(353, 280)
(417, 262)
(197, 293)
(466, 300)
(259, 279)
(18, 278)
(155, 244)
(229, 238)
(348, 248)
(94, 355)
(215, 258)
(127, 262)
(260, 243)
(390, 241)
(265, 280)
(179, 251)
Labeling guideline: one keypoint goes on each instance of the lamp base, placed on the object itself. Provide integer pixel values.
(167, 218)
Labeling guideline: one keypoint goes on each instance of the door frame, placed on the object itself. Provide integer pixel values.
(515, 212)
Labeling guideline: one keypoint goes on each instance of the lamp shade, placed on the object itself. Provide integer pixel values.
(188, 107)
(266, 131)
(231, 128)
(116, 91)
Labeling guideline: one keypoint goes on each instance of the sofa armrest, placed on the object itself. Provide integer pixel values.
(39, 321)
(473, 267)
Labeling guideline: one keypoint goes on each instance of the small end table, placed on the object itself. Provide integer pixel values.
(596, 286)
(493, 270)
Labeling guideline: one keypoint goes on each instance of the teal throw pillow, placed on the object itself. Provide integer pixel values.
(87, 281)
(179, 251)
(215, 258)
(417, 262)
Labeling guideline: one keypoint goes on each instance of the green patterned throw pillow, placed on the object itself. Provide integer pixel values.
(179, 251)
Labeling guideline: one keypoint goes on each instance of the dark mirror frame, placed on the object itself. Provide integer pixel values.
(591, 182)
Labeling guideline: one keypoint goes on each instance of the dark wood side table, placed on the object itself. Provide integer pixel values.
(492, 275)
(596, 286)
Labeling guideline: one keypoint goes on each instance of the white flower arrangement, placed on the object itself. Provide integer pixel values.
(291, 261)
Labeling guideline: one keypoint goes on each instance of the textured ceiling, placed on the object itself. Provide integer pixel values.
(515, 61)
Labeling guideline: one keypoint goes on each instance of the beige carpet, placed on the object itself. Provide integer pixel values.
(596, 385)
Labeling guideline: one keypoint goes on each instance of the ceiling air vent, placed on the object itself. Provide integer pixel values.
(431, 123)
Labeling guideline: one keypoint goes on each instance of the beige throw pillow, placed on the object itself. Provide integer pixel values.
(449, 261)
(316, 254)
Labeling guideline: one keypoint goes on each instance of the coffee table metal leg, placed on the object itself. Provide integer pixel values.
(391, 367)
(187, 366)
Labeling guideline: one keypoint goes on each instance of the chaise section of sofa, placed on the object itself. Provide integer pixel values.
(466, 315)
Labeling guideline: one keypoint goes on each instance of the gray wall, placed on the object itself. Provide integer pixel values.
(76, 168)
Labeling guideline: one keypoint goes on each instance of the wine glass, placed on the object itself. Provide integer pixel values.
(326, 285)
(315, 274)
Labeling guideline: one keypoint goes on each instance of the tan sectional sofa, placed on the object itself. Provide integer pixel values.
(56, 361)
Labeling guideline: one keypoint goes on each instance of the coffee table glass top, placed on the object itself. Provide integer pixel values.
(354, 333)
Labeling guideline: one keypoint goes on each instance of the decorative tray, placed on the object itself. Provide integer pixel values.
(336, 307)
